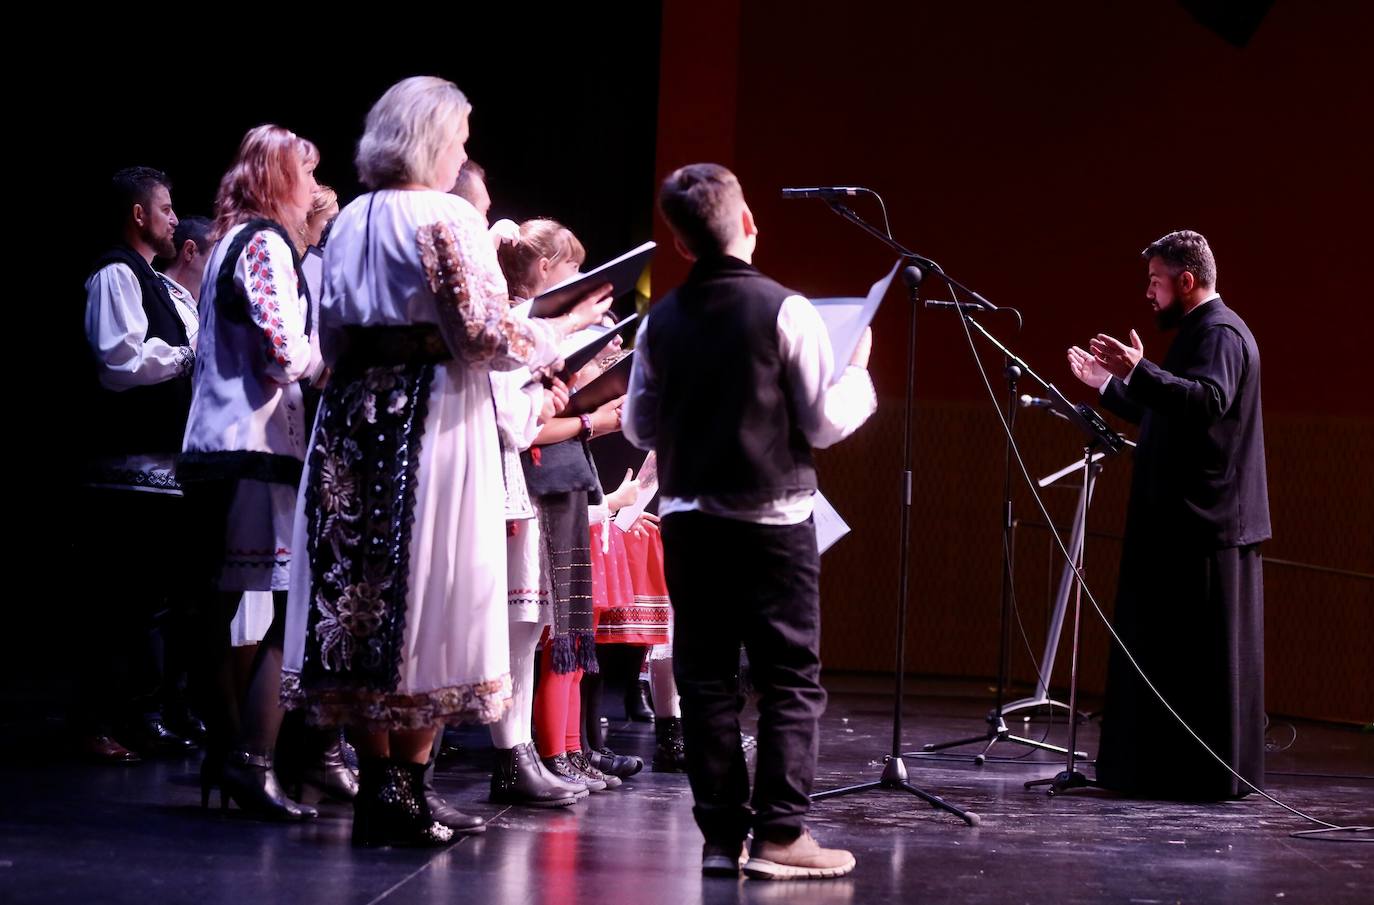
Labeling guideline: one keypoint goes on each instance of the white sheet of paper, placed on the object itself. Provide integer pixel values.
(829, 526)
(648, 488)
(846, 318)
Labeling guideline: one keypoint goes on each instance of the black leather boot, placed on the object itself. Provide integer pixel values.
(638, 706)
(520, 778)
(671, 755)
(391, 808)
(248, 778)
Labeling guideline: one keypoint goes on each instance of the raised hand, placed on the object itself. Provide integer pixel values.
(1086, 368)
(1118, 358)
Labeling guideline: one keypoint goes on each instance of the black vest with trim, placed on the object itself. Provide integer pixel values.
(231, 303)
(726, 422)
(142, 419)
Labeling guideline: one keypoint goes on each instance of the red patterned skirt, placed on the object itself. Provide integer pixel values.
(628, 587)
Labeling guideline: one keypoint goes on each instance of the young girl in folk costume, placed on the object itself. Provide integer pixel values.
(630, 595)
(245, 442)
(550, 563)
(397, 619)
(523, 407)
(637, 612)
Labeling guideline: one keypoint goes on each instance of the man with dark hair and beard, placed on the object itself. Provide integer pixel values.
(1189, 605)
(139, 393)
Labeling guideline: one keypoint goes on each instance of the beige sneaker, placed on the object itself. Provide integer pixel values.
(719, 861)
(800, 859)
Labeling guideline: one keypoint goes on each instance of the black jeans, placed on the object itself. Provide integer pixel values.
(731, 583)
(130, 635)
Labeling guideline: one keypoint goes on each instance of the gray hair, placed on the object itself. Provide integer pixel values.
(407, 129)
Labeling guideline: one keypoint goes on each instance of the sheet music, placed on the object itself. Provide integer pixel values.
(846, 318)
(648, 489)
(829, 526)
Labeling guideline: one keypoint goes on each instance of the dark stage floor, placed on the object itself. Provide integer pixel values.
(72, 833)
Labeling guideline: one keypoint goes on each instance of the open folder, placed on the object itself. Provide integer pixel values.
(622, 273)
(613, 383)
(846, 318)
(584, 345)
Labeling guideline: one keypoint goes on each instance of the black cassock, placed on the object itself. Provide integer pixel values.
(1190, 603)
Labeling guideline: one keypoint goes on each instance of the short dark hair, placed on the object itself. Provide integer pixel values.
(469, 174)
(197, 229)
(1182, 250)
(697, 201)
(130, 186)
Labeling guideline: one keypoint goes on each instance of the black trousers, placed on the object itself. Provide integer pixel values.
(130, 633)
(733, 583)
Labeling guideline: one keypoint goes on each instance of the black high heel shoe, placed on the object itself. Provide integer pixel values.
(211, 776)
(249, 780)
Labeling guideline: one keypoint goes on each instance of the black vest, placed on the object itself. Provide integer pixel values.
(142, 419)
(726, 420)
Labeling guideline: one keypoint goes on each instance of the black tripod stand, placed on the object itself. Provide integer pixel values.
(894, 775)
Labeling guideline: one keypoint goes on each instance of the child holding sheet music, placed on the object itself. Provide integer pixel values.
(550, 557)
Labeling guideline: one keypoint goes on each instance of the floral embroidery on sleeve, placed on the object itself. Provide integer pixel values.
(474, 310)
(263, 304)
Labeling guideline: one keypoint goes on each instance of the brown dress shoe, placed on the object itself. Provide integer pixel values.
(105, 750)
(800, 859)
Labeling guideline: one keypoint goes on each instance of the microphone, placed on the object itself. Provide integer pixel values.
(824, 191)
(954, 306)
(1038, 402)
(978, 304)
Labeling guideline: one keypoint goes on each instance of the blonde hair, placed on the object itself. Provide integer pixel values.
(262, 178)
(539, 238)
(321, 200)
(407, 129)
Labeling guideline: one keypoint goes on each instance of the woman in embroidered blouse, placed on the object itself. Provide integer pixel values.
(397, 618)
(245, 438)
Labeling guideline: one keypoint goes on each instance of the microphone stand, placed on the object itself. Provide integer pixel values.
(1098, 435)
(894, 775)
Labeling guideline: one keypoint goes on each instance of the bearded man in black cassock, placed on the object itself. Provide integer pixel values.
(1190, 601)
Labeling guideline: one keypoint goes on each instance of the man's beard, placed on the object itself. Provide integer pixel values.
(1169, 318)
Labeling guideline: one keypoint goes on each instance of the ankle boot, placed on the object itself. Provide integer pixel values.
(637, 701)
(248, 778)
(671, 754)
(391, 809)
(520, 778)
(330, 773)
